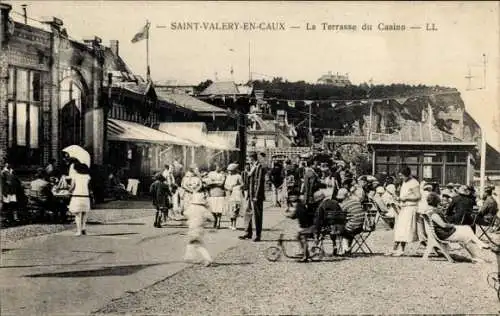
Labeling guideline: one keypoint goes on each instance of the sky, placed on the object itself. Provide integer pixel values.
(464, 32)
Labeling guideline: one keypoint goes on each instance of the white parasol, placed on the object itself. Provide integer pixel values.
(78, 153)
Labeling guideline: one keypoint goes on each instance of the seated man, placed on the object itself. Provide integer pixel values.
(489, 209)
(355, 217)
(329, 216)
(462, 234)
(40, 190)
(297, 210)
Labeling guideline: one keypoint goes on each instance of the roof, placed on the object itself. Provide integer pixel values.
(226, 88)
(195, 132)
(114, 63)
(417, 133)
(141, 88)
(189, 102)
(126, 131)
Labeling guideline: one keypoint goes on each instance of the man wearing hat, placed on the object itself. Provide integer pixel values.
(449, 190)
(256, 196)
(460, 209)
(329, 216)
(489, 209)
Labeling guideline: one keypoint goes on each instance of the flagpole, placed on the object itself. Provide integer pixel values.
(148, 71)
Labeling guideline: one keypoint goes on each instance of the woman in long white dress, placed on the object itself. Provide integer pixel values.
(405, 226)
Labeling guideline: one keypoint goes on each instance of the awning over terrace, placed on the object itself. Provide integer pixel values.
(126, 131)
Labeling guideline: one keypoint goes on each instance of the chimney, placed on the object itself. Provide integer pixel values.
(4, 21)
(54, 22)
(25, 13)
(114, 45)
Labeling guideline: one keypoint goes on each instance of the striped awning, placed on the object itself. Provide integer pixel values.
(125, 131)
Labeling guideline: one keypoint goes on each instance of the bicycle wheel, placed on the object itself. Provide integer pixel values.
(317, 253)
(273, 253)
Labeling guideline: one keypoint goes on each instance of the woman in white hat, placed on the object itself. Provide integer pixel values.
(233, 186)
(196, 213)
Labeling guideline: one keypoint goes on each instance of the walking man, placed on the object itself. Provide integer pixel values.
(256, 196)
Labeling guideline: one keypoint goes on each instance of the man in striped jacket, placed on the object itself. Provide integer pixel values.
(355, 217)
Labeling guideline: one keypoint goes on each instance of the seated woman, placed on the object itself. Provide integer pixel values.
(462, 234)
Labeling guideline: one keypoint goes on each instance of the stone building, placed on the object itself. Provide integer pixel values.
(336, 80)
(49, 92)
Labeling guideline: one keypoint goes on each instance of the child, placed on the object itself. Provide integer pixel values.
(196, 212)
(159, 192)
(233, 186)
(297, 210)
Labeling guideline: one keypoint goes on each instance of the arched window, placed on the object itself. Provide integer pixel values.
(72, 95)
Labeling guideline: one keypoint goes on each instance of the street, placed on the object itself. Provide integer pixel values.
(130, 267)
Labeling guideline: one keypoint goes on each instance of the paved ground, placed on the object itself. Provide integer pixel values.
(130, 268)
(246, 283)
(61, 274)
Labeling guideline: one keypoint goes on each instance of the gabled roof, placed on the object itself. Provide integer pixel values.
(226, 88)
(190, 103)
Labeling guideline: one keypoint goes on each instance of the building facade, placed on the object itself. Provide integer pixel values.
(336, 80)
(49, 94)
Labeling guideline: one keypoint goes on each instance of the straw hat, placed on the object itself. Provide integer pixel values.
(232, 167)
(380, 190)
(463, 190)
(342, 194)
(318, 196)
(391, 188)
(427, 186)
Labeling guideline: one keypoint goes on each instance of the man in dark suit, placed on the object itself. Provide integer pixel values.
(256, 196)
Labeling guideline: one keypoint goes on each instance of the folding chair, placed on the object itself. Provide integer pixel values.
(359, 243)
(484, 230)
(433, 242)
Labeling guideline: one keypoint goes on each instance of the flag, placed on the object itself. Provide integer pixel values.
(291, 104)
(143, 34)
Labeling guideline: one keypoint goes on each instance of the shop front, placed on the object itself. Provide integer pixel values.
(442, 163)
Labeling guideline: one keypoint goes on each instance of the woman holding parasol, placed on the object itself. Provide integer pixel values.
(79, 174)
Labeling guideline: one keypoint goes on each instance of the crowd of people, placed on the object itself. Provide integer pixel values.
(336, 201)
(325, 197)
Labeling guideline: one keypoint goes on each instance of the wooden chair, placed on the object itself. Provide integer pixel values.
(433, 242)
